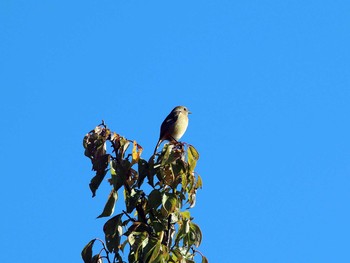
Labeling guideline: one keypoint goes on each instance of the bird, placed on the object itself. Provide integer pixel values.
(174, 126)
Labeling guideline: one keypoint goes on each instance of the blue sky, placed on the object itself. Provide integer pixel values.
(268, 85)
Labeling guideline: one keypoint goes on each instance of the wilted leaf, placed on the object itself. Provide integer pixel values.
(100, 165)
(167, 175)
(100, 161)
(95, 148)
(204, 259)
(109, 207)
(136, 153)
(94, 142)
(179, 168)
(132, 176)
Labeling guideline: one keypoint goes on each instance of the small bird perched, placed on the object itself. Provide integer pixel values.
(174, 125)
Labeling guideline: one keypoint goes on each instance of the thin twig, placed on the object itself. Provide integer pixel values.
(106, 258)
(105, 249)
(103, 124)
(169, 232)
(132, 219)
(197, 251)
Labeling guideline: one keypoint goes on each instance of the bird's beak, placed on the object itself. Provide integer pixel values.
(189, 112)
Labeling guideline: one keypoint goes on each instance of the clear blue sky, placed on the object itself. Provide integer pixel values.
(269, 86)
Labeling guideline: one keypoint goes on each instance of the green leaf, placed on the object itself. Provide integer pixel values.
(117, 174)
(112, 232)
(96, 259)
(151, 171)
(193, 157)
(192, 199)
(185, 215)
(109, 207)
(131, 199)
(184, 180)
(199, 183)
(187, 226)
(154, 199)
(119, 259)
(166, 153)
(137, 227)
(191, 181)
(136, 240)
(86, 254)
(197, 234)
(170, 156)
(157, 226)
(163, 256)
(151, 250)
(143, 171)
(169, 202)
(181, 233)
(176, 254)
(124, 144)
(186, 254)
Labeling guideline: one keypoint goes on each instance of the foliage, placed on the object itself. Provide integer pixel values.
(155, 226)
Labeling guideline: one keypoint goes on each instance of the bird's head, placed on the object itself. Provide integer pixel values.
(181, 109)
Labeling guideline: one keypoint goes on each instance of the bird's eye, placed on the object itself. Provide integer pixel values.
(185, 109)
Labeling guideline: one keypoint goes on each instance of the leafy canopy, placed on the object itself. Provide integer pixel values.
(155, 226)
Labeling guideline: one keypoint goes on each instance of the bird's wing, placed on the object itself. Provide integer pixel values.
(168, 122)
